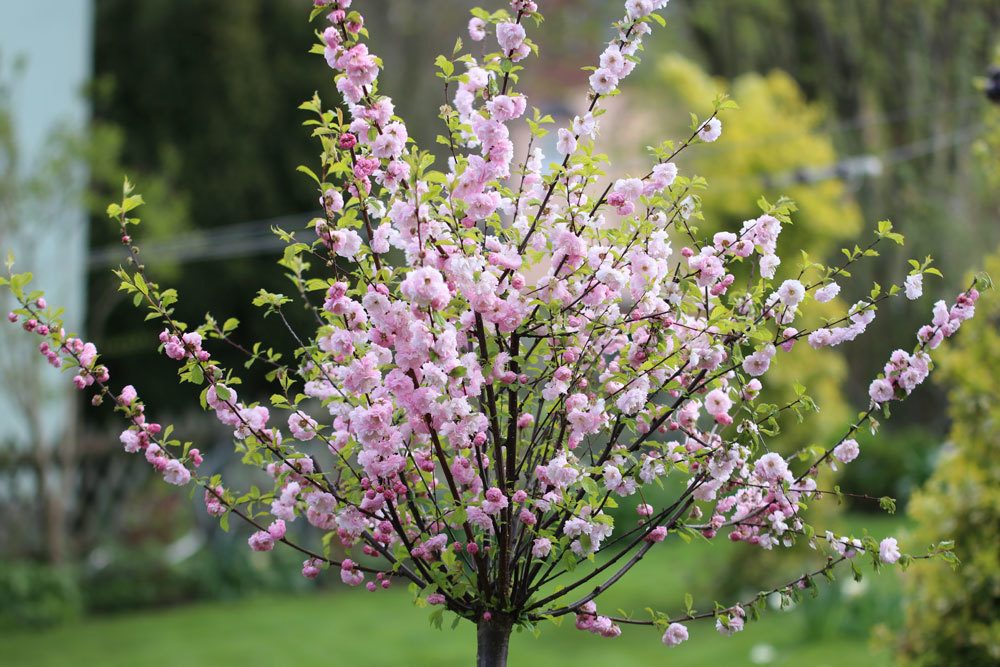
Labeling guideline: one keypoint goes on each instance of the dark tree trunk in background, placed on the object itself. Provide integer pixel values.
(492, 636)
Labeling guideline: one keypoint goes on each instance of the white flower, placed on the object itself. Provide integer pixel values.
(603, 81)
(888, 550)
(791, 293)
(175, 473)
(827, 292)
(566, 143)
(914, 286)
(710, 130)
(768, 265)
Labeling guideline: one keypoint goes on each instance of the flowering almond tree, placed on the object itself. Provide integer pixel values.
(506, 349)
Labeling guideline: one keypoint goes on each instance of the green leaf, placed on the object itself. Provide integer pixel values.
(130, 203)
(308, 172)
(446, 66)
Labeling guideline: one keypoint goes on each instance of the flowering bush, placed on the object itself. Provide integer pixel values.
(507, 348)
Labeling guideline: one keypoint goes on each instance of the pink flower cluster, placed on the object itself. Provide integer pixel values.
(904, 371)
(587, 619)
(187, 345)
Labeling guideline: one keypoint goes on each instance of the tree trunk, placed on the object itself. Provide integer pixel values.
(492, 639)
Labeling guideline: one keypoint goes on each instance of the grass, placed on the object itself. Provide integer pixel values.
(353, 627)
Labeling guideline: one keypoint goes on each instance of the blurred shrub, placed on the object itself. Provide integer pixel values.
(35, 595)
(953, 617)
(893, 463)
(39, 595)
(141, 579)
(850, 609)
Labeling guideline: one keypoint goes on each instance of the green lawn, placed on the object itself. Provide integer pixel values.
(353, 627)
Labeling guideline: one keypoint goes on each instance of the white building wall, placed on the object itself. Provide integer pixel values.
(53, 40)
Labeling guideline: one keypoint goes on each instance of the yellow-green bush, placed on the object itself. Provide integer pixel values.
(953, 617)
(774, 131)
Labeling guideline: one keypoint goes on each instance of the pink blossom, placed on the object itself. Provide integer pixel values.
(425, 287)
(477, 29)
(718, 403)
(881, 391)
(846, 451)
(128, 395)
(541, 547)
(731, 622)
(494, 501)
(261, 541)
(277, 530)
(710, 130)
(657, 535)
(675, 634)
(914, 286)
(772, 468)
(757, 363)
(510, 36)
(888, 550)
(663, 175)
(311, 567)
(827, 293)
(131, 440)
(349, 573)
(302, 426)
(603, 81)
(768, 265)
(213, 504)
(175, 473)
(566, 143)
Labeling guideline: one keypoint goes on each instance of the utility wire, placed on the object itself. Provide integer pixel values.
(244, 239)
(858, 122)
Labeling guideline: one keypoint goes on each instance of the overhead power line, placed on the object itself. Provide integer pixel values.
(244, 239)
(873, 164)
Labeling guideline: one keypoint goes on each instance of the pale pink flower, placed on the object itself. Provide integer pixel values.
(675, 634)
(175, 473)
(477, 29)
(881, 391)
(827, 292)
(888, 550)
(510, 36)
(846, 451)
(566, 144)
(541, 547)
(603, 81)
(710, 130)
